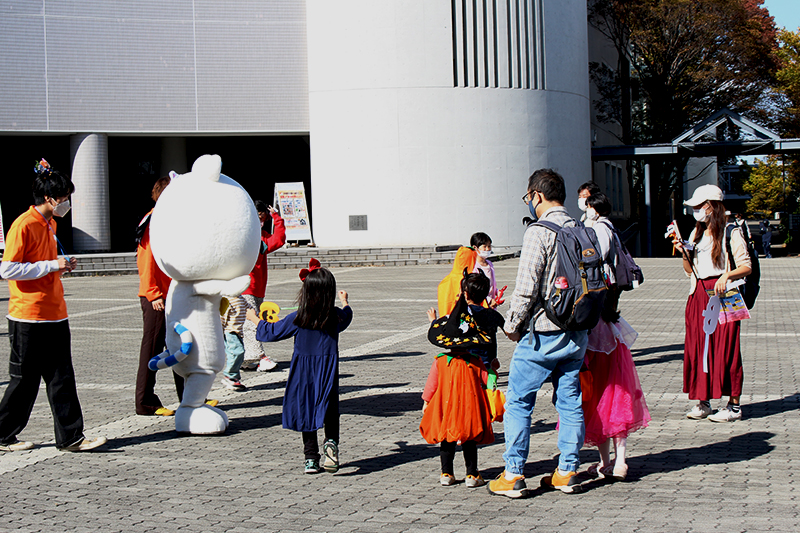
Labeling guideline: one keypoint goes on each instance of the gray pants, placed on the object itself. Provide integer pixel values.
(252, 348)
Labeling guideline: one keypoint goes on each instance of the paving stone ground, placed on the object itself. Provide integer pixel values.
(684, 475)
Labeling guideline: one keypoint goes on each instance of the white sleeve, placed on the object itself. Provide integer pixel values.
(27, 271)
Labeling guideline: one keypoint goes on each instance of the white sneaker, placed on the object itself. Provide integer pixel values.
(250, 364)
(699, 412)
(726, 415)
(266, 364)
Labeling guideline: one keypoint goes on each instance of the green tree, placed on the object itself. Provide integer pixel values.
(687, 59)
(771, 190)
(788, 83)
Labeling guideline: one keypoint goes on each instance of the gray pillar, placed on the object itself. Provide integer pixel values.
(91, 217)
(173, 156)
(648, 210)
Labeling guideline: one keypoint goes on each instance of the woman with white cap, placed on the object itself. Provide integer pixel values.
(706, 262)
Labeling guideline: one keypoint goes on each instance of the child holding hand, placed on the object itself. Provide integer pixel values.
(456, 407)
(311, 398)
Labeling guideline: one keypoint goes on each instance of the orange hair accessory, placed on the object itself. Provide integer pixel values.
(313, 265)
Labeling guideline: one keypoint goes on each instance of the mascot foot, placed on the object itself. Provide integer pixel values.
(203, 420)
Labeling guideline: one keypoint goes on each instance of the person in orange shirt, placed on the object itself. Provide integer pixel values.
(153, 287)
(38, 325)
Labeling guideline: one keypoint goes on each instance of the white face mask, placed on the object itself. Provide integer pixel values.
(582, 204)
(485, 253)
(591, 214)
(700, 215)
(61, 209)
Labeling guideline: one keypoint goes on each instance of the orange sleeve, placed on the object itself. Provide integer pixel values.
(153, 283)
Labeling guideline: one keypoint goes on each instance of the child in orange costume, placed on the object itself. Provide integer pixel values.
(456, 408)
(450, 286)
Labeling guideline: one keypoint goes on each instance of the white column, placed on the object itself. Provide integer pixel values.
(91, 227)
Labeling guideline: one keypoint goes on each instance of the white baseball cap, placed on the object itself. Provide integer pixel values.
(704, 193)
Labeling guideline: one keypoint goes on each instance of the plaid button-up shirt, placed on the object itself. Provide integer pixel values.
(536, 272)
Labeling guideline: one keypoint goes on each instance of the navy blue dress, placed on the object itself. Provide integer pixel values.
(314, 368)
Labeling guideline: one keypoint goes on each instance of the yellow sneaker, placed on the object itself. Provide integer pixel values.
(516, 488)
(567, 483)
(163, 411)
(212, 403)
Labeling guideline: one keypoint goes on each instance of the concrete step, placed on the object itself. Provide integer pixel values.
(298, 257)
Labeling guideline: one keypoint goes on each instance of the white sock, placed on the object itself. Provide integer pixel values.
(562, 472)
(510, 476)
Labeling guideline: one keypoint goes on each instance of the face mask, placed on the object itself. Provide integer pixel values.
(582, 204)
(700, 215)
(61, 209)
(485, 253)
(532, 209)
(591, 214)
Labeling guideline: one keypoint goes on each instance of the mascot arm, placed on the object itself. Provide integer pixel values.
(214, 287)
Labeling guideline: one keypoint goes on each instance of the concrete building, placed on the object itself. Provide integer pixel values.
(410, 122)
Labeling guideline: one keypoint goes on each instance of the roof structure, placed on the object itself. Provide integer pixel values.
(690, 143)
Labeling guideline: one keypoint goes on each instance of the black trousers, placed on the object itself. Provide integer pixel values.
(310, 444)
(153, 342)
(447, 453)
(41, 351)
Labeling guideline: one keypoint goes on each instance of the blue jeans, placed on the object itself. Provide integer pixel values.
(559, 354)
(234, 355)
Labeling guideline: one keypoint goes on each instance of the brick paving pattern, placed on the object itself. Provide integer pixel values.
(684, 475)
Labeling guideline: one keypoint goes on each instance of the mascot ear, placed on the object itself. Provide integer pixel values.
(208, 167)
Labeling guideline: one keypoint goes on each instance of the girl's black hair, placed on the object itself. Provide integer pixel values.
(316, 302)
(51, 184)
(261, 207)
(479, 239)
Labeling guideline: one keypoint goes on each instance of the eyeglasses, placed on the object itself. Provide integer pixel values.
(527, 197)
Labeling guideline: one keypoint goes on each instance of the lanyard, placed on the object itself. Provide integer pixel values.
(50, 229)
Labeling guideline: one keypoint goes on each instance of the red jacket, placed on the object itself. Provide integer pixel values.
(273, 241)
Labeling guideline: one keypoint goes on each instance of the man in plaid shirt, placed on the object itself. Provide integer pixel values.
(542, 350)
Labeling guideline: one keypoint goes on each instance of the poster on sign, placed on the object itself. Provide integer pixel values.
(2, 235)
(290, 200)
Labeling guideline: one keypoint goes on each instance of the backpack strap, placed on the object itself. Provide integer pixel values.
(547, 224)
(728, 231)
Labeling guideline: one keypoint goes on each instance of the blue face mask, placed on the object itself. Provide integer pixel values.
(532, 209)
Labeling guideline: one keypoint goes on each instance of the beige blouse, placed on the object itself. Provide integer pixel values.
(703, 263)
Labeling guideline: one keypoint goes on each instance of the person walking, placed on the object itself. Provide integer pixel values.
(766, 237)
(38, 326)
(542, 351)
(153, 288)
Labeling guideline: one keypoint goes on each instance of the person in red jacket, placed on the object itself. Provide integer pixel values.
(254, 356)
(153, 287)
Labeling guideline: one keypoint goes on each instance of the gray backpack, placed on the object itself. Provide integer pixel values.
(627, 273)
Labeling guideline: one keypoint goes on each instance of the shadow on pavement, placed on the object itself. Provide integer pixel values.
(379, 356)
(771, 407)
(677, 354)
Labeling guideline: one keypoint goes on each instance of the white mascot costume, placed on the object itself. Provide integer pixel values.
(205, 235)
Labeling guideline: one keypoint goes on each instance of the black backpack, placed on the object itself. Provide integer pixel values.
(627, 273)
(751, 285)
(576, 300)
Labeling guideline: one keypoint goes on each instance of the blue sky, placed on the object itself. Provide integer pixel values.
(785, 12)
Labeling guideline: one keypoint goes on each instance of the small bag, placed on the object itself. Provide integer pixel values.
(497, 399)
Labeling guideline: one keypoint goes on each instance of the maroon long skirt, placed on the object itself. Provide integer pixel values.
(725, 374)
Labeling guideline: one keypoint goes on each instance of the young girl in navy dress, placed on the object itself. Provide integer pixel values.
(311, 399)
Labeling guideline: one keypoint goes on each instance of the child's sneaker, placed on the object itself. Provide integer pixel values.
(312, 466)
(516, 488)
(250, 364)
(233, 384)
(446, 480)
(266, 364)
(474, 481)
(567, 483)
(330, 450)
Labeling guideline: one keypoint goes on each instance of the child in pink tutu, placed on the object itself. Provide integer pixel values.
(613, 401)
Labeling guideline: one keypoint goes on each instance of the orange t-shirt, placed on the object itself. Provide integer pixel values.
(30, 240)
(153, 283)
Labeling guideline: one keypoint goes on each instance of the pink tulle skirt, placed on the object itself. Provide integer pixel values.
(613, 401)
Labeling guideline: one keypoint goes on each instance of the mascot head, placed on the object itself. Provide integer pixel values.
(205, 226)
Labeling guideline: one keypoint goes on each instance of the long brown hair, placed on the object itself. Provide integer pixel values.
(717, 221)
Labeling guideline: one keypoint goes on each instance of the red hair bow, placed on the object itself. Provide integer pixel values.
(313, 265)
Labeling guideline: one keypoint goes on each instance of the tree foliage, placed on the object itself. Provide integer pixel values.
(687, 59)
(770, 188)
(787, 84)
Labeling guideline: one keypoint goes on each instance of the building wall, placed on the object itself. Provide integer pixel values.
(153, 66)
(429, 140)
